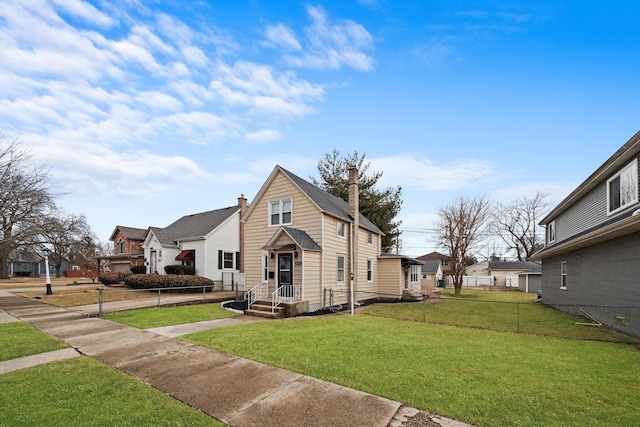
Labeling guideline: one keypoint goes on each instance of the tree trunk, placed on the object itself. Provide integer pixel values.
(4, 264)
(458, 288)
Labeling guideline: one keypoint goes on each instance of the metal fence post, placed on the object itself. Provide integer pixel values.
(99, 302)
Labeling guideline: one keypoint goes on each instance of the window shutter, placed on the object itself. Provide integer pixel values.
(219, 260)
(237, 260)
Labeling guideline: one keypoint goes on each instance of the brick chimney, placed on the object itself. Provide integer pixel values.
(242, 202)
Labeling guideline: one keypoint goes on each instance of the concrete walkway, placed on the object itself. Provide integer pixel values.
(234, 390)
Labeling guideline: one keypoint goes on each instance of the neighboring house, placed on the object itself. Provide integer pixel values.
(431, 273)
(314, 250)
(530, 281)
(445, 261)
(127, 249)
(210, 241)
(32, 265)
(504, 273)
(590, 262)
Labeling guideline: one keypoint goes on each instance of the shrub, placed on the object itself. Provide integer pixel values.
(150, 281)
(180, 269)
(112, 278)
(138, 269)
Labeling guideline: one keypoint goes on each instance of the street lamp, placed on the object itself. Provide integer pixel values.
(46, 272)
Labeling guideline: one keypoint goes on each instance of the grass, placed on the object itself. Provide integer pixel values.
(82, 391)
(164, 316)
(500, 311)
(482, 377)
(20, 339)
(74, 298)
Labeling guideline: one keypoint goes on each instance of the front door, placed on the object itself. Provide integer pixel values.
(285, 274)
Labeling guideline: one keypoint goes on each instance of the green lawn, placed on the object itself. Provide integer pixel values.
(482, 377)
(19, 339)
(155, 317)
(84, 392)
(500, 311)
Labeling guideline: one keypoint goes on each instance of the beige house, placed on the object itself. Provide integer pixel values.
(305, 249)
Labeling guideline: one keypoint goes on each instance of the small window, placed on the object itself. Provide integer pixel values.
(342, 229)
(369, 270)
(120, 247)
(563, 275)
(622, 188)
(551, 231)
(426, 276)
(265, 267)
(341, 264)
(280, 212)
(370, 238)
(228, 260)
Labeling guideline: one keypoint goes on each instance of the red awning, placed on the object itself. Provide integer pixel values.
(185, 256)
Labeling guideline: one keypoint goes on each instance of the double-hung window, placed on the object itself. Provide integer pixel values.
(622, 188)
(280, 212)
(369, 270)
(563, 275)
(342, 229)
(551, 230)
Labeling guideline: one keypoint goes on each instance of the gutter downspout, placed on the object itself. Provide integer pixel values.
(351, 298)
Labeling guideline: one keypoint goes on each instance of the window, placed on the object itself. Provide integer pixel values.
(563, 275)
(342, 229)
(341, 264)
(370, 238)
(228, 260)
(265, 267)
(414, 273)
(622, 188)
(551, 230)
(120, 247)
(280, 212)
(369, 270)
(426, 276)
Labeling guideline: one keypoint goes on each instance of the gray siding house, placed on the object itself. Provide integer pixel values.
(591, 258)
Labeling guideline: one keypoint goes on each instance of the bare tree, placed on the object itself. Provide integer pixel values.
(516, 222)
(461, 225)
(25, 199)
(69, 236)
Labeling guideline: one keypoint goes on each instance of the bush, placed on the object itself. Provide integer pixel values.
(138, 269)
(180, 269)
(151, 281)
(112, 278)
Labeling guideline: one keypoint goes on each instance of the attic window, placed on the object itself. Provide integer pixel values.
(280, 212)
(622, 188)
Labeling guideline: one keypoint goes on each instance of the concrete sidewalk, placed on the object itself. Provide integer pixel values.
(234, 390)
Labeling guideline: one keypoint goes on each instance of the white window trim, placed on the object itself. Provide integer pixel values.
(344, 229)
(552, 231)
(280, 213)
(414, 277)
(370, 238)
(633, 165)
(563, 275)
(344, 269)
(224, 260)
(370, 270)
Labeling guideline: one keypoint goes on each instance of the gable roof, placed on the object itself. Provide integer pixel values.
(194, 226)
(130, 233)
(433, 255)
(326, 202)
(430, 265)
(299, 237)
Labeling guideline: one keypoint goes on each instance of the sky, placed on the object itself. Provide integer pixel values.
(150, 110)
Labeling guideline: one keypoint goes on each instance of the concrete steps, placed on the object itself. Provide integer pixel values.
(263, 309)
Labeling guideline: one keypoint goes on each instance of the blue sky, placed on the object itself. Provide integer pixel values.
(147, 111)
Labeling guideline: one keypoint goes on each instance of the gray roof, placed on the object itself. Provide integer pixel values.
(194, 226)
(328, 202)
(130, 233)
(302, 239)
(403, 258)
(430, 265)
(514, 265)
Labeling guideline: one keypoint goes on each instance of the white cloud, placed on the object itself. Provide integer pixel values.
(281, 36)
(84, 10)
(425, 175)
(328, 45)
(262, 136)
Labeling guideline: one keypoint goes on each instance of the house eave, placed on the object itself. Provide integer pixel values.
(617, 229)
